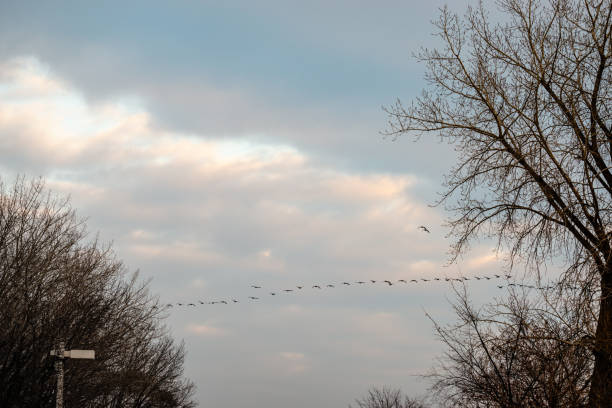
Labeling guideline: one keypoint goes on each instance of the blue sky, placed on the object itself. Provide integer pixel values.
(221, 144)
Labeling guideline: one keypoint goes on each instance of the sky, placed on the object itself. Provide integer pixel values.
(220, 145)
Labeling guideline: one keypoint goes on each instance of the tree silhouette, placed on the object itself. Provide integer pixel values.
(387, 398)
(527, 103)
(56, 284)
(527, 350)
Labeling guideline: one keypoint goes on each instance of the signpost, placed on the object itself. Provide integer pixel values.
(60, 355)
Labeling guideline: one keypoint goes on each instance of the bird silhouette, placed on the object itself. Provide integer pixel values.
(253, 298)
(273, 293)
(464, 278)
(402, 280)
(414, 280)
(234, 300)
(487, 277)
(437, 279)
(169, 305)
(388, 282)
(299, 287)
(360, 282)
(447, 279)
(191, 304)
(476, 277)
(179, 304)
(508, 276)
(499, 286)
(288, 290)
(423, 228)
(373, 281)
(346, 283)
(201, 302)
(425, 280)
(256, 287)
(316, 286)
(330, 285)
(497, 276)
(224, 302)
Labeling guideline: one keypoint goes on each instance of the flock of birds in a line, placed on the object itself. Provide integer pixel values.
(359, 282)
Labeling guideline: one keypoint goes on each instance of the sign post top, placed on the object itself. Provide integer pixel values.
(83, 354)
(87, 354)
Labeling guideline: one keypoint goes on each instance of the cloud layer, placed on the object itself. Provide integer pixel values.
(206, 216)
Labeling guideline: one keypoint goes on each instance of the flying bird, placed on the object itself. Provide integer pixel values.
(414, 280)
(253, 298)
(288, 290)
(487, 277)
(273, 293)
(256, 287)
(497, 276)
(436, 278)
(224, 302)
(425, 280)
(373, 281)
(234, 300)
(330, 286)
(201, 302)
(423, 228)
(316, 286)
(388, 282)
(179, 304)
(299, 287)
(360, 282)
(191, 304)
(499, 286)
(346, 283)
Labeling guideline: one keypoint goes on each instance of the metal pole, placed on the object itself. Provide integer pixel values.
(59, 370)
(60, 353)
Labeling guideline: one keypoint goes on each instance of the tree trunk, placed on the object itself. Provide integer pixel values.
(601, 381)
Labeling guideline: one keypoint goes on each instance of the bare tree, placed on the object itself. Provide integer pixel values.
(524, 351)
(387, 398)
(56, 284)
(527, 103)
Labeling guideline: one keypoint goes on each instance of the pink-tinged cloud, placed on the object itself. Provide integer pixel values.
(204, 330)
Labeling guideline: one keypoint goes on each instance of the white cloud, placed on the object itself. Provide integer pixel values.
(204, 330)
(204, 201)
(294, 363)
(484, 258)
(292, 356)
(142, 234)
(26, 76)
